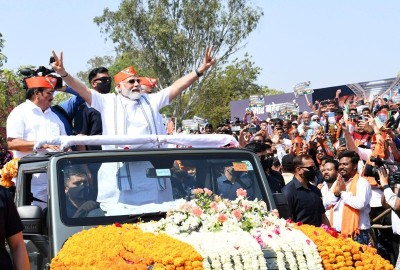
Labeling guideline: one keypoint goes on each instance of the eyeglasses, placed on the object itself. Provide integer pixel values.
(132, 81)
(258, 141)
(103, 79)
(309, 167)
(320, 151)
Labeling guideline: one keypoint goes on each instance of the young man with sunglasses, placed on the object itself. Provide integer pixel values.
(87, 120)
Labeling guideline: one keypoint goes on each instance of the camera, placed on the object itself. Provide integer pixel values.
(372, 171)
(353, 117)
(40, 71)
(227, 121)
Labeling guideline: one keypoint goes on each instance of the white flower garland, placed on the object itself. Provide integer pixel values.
(242, 227)
(226, 251)
(292, 247)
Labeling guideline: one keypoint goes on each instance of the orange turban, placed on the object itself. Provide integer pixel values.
(150, 82)
(41, 82)
(124, 74)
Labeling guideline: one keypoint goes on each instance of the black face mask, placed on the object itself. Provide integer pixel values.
(80, 192)
(103, 87)
(310, 174)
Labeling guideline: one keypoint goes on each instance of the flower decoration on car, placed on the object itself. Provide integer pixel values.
(8, 172)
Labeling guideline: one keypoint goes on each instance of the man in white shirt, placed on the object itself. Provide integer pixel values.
(131, 112)
(392, 199)
(329, 169)
(31, 120)
(306, 129)
(353, 192)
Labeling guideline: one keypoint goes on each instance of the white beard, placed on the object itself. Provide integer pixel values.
(133, 95)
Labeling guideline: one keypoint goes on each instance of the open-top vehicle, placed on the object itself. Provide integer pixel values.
(125, 186)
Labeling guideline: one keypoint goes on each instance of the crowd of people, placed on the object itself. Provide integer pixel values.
(336, 165)
(329, 162)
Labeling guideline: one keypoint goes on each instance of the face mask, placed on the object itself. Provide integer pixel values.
(103, 87)
(310, 174)
(80, 192)
(133, 95)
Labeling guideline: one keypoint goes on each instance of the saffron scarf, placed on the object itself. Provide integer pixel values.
(351, 216)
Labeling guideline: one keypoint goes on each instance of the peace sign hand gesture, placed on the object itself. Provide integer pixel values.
(58, 64)
(208, 60)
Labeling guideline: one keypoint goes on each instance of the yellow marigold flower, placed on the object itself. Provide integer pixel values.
(124, 247)
(342, 253)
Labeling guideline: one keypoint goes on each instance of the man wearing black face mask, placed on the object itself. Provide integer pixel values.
(305, 199)
(88, 120)
(77, 192)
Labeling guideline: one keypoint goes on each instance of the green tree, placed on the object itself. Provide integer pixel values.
(11, 95)
(3, 58)
(232, 82)
(167, 38)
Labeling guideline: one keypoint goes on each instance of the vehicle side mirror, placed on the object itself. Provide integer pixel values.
(31, 217)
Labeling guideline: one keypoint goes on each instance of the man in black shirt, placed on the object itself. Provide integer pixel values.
(304, 199)
(87, 120)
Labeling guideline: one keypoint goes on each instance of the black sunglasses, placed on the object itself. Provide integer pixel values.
(103, 79)
(132, 81)
(309, 167)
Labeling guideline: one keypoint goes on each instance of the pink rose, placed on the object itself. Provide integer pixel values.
(207, 191)
(237, 214)
(196, 211)
(275, 212)
(246, 206)
(214, 206)
(241, 192)
(197, 191)
(222, 218)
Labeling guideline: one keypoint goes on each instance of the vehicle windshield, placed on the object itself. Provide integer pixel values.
(136, 185)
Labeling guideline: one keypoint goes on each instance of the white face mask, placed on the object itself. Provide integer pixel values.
(133, 95)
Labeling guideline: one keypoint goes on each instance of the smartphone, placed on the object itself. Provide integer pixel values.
(252, 129)
(342, 141)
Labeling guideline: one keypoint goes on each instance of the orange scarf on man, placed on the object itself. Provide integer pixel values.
(351, 216)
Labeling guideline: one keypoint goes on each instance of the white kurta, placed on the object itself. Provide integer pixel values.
(122, 116)
(28, 122)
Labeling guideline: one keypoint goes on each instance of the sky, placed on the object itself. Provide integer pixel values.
(328, 43)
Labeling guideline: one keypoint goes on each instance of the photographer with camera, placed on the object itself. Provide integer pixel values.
(391, 199)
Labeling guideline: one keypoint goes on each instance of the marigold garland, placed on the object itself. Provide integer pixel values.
(125, 247)
(8, 172)
(343, 253)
